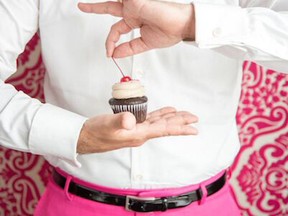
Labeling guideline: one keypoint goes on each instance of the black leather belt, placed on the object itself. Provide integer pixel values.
(139, 204)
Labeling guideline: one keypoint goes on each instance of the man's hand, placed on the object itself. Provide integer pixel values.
(162, 24)
(115, 131)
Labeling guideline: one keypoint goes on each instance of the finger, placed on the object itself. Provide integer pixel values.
(180, 130)
(180, 124)
(172, 124)
(130, 48)
(161, 111)
(156, 118)
(162, 129)
(183, 118)
(124, 120)
(113, 37)
(170, 114)
(112, 8)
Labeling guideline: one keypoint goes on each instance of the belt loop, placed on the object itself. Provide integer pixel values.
(66, 188)
(203, 194)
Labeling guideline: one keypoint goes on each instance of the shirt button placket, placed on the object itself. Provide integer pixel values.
(136, 176)
(217, 32)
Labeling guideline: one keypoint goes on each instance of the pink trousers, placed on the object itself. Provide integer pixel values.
(58, 202)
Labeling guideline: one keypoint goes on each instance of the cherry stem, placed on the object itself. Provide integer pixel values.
(118, 67)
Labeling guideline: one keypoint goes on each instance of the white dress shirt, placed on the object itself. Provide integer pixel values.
(203, 77)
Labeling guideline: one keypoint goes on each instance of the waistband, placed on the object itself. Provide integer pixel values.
(141, 200)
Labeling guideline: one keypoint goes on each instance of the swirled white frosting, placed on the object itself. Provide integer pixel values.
(128, 89)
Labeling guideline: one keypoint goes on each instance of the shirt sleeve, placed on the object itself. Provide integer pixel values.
(255, 32)
(26, 124)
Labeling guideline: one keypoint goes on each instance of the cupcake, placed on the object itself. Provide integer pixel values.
(129, 96)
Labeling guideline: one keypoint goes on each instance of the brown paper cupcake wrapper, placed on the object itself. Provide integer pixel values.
(139, 110)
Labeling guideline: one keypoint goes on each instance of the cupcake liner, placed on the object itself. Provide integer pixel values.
(138, 110)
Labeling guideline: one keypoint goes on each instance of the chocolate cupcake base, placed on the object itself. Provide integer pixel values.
(137, 106)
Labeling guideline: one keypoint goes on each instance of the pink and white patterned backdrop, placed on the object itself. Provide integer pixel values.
(259, 174)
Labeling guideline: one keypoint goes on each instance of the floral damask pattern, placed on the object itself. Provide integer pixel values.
(31, 71)
(260, 171)
(259, 174)
(23, 176)
(23, 182)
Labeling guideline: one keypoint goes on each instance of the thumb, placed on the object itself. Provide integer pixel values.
(125, 120)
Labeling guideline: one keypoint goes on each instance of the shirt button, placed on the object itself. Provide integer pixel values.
(138, 177)
(217, 32)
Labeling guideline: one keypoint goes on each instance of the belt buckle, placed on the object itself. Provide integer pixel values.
(137, 198)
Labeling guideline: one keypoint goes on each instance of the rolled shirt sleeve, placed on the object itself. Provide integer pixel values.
(254, 33)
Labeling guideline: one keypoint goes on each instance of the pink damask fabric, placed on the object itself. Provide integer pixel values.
(259, 174)
(260, 171)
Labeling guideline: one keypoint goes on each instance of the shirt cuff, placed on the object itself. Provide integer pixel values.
(217, 24)
(55, 132)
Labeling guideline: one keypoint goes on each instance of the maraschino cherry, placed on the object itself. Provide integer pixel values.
(124, 78)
